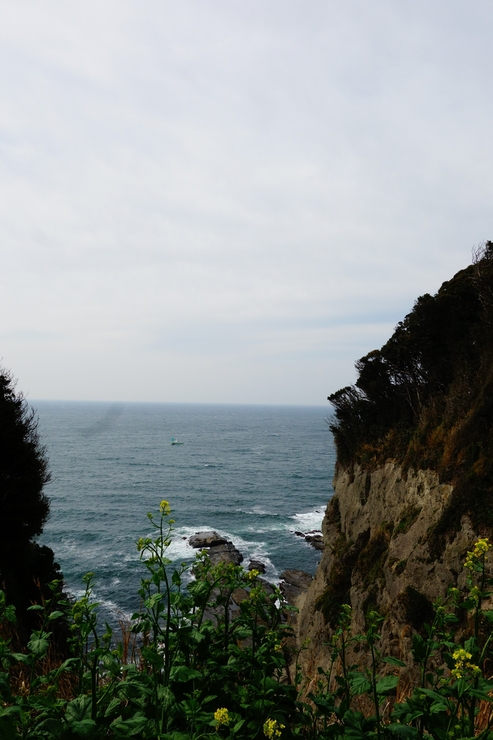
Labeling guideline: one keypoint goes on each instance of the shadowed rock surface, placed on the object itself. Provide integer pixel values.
(293, 584)
(256, 565)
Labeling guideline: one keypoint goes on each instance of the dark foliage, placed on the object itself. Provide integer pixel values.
(425, 399)
(25, 566)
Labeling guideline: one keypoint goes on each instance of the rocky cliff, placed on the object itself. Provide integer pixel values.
(376, 533)
(414, 479)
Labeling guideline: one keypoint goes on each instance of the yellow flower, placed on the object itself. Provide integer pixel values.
(475, 592)
(462, 664)
(478, 553)
(221, 716)
(272, 729)
(164, 507)
(481, 547)
(252, 574)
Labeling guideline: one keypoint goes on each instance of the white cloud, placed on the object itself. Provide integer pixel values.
(214, 189)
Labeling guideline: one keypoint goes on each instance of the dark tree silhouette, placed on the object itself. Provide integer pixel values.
(425, 399)
(25, 567)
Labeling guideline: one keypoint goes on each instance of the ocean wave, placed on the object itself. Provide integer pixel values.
(257, 511)
(307, 521)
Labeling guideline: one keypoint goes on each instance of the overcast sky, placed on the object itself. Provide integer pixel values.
(232, 200)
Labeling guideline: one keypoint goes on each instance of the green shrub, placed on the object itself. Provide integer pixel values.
(194, 670)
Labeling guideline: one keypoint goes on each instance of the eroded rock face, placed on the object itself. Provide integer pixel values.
(225, 553)
(377, 555)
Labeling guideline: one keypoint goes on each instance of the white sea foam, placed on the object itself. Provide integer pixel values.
(257, 511)
(251, 549)
(309, 520)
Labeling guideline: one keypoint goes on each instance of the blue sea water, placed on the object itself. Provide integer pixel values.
(256, 474)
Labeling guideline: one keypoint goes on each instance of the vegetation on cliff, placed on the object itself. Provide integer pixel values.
(425, 399)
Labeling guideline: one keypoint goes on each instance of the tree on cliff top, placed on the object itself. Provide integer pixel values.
(25, 566)
(425, 399)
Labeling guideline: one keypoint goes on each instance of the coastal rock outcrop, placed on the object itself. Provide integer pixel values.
(256, 565)
(218, 548)
(209, 538)
(314, 538)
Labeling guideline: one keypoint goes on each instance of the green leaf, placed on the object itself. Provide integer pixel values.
(359, 683)
(480, 695)
(78, 709)
(7, 730)
(51, 725)
(386, 684)
(21, 657)
(176, 578)
(355, 725)
(112, 707)
(5, 692)
(471, 645)
(129, 727)
(38, 646)
(35, 608)
(85, 728)
(419, 648)
(165, 696)
(151, 655)
(55, 615)
(404, 731)
(394, 661)
(182, 673)
(9, 613)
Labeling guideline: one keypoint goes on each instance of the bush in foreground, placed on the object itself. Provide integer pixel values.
(189, 670)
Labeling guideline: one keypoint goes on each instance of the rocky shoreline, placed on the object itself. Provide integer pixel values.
(293, 583)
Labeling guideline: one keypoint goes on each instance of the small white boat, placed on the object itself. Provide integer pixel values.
(175, 441)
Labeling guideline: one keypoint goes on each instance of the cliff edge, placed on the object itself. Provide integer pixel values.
(414, 477)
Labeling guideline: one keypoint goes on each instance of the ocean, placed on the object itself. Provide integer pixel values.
(256, 474)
